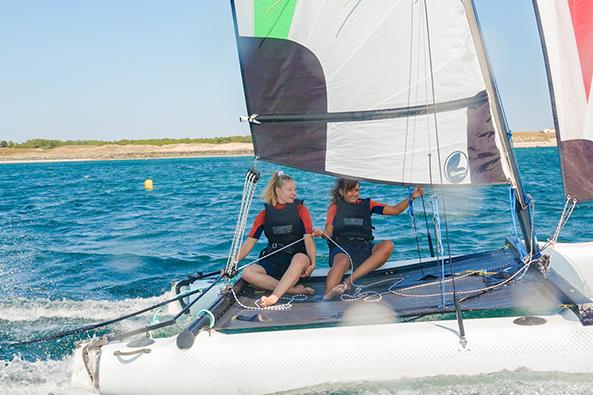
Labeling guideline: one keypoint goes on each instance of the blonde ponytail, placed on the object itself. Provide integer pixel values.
(276, 181)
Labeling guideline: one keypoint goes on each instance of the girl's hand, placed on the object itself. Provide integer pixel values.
(419, 191)
(308, 270)
(317, 233)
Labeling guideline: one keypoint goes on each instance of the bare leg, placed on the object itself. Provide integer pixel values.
(256, 275)
(340, 266)
(380, 254)
(298, 265)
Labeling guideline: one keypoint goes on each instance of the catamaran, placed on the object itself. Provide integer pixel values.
(394, 92)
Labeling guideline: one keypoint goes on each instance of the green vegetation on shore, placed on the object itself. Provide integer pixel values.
(46, 144)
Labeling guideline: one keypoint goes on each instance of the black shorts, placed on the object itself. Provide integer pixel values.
(359, 251)
(275, 265)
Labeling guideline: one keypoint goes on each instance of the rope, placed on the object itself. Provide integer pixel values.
(513, 205)
(284, 306)
(276, 307)
(544, 261)
(564, 217)
(436, 219)
(374, 296)
(270, 254)
(249, 186)
(523, 269)
(413, 221)
(429, 238)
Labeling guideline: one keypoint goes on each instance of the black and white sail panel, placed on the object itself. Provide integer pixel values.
(346, 88)
(567, 31)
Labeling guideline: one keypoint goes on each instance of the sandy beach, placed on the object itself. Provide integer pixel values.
(545, 138)
(120, 152)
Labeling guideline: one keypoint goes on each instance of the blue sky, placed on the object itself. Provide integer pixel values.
(115, 69)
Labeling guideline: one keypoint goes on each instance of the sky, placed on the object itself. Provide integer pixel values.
(135, 69)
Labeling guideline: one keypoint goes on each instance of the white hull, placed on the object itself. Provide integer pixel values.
(262, 362)
(265, 362)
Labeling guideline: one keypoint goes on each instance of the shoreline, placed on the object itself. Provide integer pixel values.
(29, 161)
(81, 153)
(534, 144)
(78, 153)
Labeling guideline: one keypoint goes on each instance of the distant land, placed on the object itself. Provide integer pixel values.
(542, 138)
(41, 150)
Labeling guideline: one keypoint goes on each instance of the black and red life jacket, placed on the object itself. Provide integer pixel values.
(353, 221)
(284, 226)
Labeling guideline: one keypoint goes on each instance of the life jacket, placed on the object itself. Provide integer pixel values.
(284, 226)
(353, 221)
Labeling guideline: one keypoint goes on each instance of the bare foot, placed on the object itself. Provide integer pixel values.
(348, 283)
(268, 300)
(335, 291)
(301, 289)
(338, 290)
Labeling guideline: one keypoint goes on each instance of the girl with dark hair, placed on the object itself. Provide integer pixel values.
(284, 221)
(349, 224)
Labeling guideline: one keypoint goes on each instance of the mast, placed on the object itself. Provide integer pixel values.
(522, 208)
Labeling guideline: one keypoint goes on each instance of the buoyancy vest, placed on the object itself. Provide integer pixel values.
(353, 221)
(284, 226)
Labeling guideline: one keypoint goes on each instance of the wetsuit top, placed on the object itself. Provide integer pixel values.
(282, 225)
(353, 221)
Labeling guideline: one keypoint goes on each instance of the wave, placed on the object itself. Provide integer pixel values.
(519, 381)
(77, 254)
(19, 376)
(23, 309)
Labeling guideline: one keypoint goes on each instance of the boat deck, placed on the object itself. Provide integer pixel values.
(404, 293)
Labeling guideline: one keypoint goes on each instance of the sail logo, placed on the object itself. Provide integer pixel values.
(456, 167)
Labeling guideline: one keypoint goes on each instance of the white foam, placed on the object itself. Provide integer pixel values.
(39, 377)
(23, 309)
(520, 381)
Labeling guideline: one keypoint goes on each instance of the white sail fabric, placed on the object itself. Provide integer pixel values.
(567, 30)
(356, 79)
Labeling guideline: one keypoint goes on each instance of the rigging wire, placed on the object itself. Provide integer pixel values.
(455, 300)
(564, 217)
(544, 261)
(414, 29)
(409, 93)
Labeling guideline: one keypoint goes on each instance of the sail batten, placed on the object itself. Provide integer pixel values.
(388, 113)
(342, 86)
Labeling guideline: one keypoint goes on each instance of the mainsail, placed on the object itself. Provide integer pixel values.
(566, 28)
(365, 89)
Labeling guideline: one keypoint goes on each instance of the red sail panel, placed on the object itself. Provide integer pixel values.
(581, 12)
(566, 27)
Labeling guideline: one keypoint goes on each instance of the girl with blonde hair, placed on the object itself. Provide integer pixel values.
(284, 221)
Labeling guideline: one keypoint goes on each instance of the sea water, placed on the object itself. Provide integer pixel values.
(82, 242)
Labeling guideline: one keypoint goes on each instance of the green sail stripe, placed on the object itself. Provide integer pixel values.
(273, 17)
